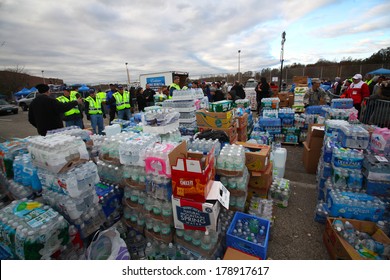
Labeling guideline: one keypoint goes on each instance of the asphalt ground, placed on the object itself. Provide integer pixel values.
(294, 235)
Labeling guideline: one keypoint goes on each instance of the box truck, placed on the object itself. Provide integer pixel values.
(157, 80)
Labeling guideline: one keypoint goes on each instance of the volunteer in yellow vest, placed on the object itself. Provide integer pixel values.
(73, 116)
(121, 99)
(95, 111)
(102, 95)
(174, 86)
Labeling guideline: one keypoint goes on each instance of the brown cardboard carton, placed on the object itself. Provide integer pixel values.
(242, 121)
(234, 254)
(339, 248)
(261, 180)
(300, 80)
(257, 159)
(311, 157)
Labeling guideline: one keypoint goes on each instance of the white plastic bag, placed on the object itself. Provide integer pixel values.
(107, 245)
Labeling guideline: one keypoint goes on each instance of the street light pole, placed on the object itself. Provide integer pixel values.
(282, 59)
(128, 76)
(239, 71)
(43, 77)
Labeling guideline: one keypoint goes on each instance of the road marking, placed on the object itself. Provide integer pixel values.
(6, 120)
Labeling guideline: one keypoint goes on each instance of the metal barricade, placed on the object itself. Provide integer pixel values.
(376, 112)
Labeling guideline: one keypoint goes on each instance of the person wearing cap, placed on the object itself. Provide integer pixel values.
(240, 92)
(358, 90)
(72, 117)
(315, 95)
(110, 103)
(377, 85)
(121, 98)
(95, 111)
(174, 86)
(45, 113)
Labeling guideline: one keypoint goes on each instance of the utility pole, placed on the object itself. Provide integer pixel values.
(282, 59)
(239, 76)
(43, 77)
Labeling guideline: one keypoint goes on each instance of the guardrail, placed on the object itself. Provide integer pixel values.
(376, 112)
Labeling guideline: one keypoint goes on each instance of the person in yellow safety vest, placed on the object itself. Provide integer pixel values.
(174, 85)
(121, 99)
(370, 82)
(102, 95)
(95, 111)
(73, 117)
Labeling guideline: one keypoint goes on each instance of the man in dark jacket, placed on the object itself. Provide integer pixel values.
(45, 113)
(149, 94)
(240, 92)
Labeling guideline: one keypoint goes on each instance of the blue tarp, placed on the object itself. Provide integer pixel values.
(33, 89)
(380, 71)
(24, 91)
(83, 88)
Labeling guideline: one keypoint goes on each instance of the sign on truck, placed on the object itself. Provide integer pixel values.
(159, 79)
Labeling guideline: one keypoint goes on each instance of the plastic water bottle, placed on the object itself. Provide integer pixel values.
(206, 242)
(196, 238)
(171, 252)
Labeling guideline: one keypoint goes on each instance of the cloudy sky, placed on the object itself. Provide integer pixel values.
(89, 41)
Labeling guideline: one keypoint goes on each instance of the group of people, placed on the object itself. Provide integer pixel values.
(354, 88)
(47, 113)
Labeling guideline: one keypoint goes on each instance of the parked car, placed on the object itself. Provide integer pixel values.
(6, 108)
(24, 103)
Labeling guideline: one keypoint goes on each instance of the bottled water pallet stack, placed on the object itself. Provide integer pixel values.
(31, 230)
(238, 188)
(68, 180)
(343, 172)
(8, 151)
(110, 198)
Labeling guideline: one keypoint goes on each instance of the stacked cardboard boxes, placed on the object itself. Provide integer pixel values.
(222, 121)
(312, 147)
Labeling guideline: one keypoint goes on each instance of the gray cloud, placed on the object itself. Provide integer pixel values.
(90, 41)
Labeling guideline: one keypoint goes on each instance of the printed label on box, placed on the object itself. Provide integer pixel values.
(193, 217)
(381, 159)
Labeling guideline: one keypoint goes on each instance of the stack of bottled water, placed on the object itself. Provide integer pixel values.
(243, 103)
(352, 205)
(260, 137)
(353, 136)
(204, 146)
(31, 230)
(142, 211)
(156, 159)
(342, 103)
(270, 113)
(172, 136)
(261, 207)
(18, 191)
(110, 198)
(204, 243)
(270, 103)
(299, 121)
(159, 187)
(161, 117)
(363, 242)
(73, 131)
(272, 126)
(109, 149)
(187, 94)
(136, 244)
(97, 141)
(8, 151)
(341, 114)
(238, 187)
(133, 175)
(57, 152)
(280, 191)
(321, 212)
(132, 150)
(26, 173)
(231, 158)
(111, 173)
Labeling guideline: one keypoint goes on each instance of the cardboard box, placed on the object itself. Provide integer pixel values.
(261, 180)
(283, 104)
(188, 214)
(234, 254)
(258, 157)
(315, 136)
(242, 121)
(310, 158)
(300, 80)
(283, 96)
(214, 120)
(191, 173)
(290, 99)
(338, 248)
(231, 132)
(242, 134)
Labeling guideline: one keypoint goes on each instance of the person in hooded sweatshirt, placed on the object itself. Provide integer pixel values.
(45, 112)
